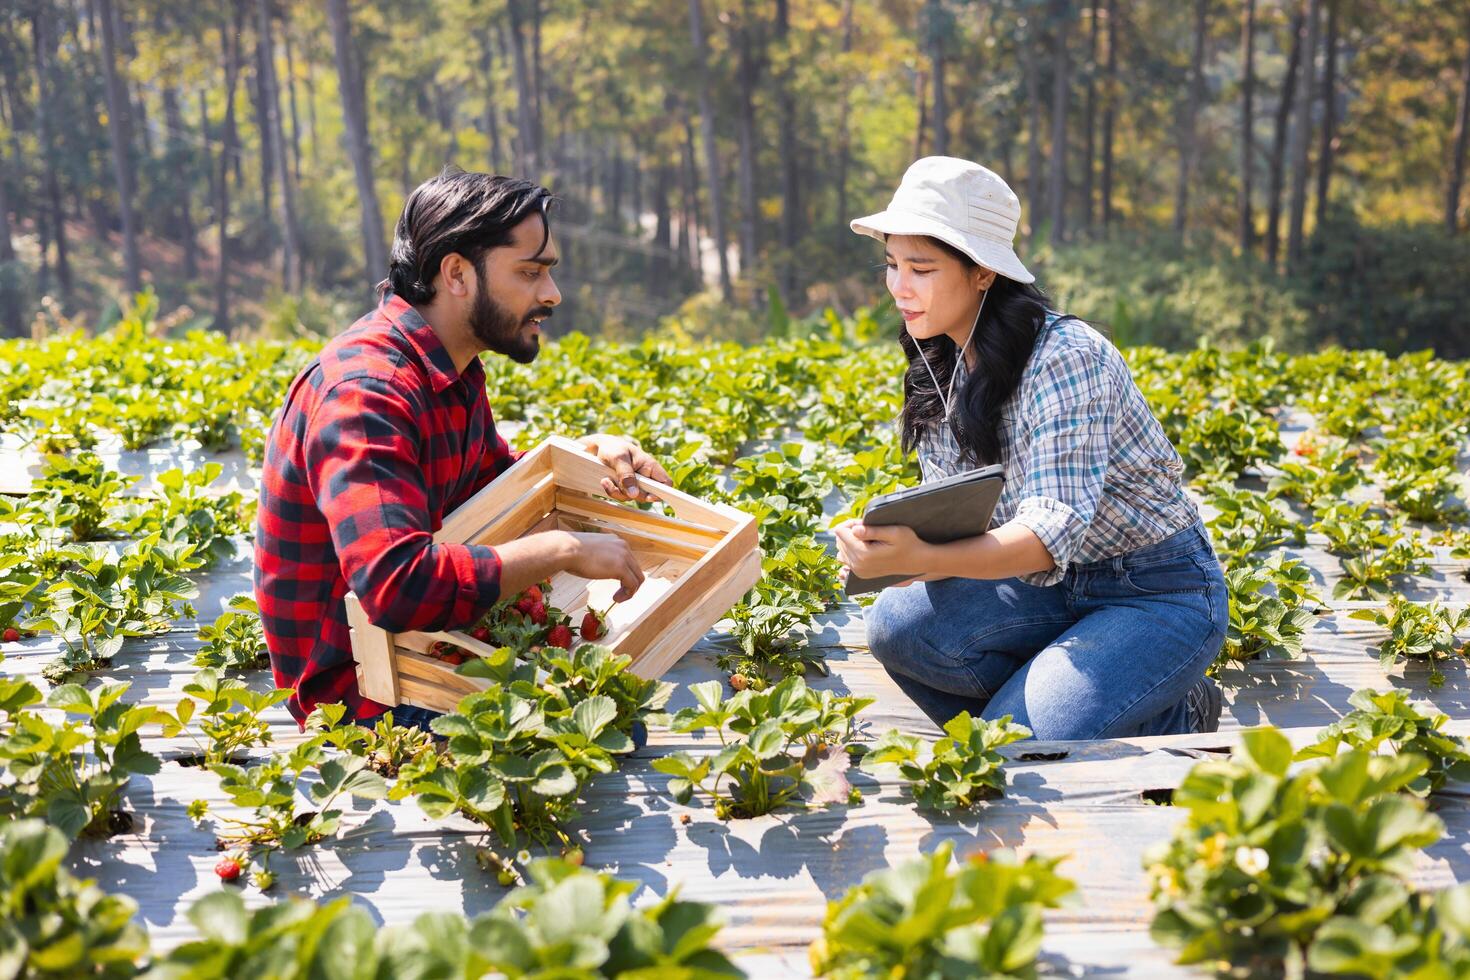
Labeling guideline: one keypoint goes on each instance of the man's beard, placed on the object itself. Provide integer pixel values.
(502, 331)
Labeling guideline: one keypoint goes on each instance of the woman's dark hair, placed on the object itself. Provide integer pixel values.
(1013, 315)
(468, 213)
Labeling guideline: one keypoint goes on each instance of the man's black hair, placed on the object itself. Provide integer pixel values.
(468, 213)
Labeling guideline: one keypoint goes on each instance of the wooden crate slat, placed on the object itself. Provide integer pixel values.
(579, 470)
(372, 648)
(575, 502)
(532, 506)
(495, 497)
(638, 538)
(686, 631)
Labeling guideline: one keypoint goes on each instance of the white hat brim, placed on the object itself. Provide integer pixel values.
(987, 252)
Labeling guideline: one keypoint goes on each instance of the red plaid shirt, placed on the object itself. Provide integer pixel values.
(380, 437)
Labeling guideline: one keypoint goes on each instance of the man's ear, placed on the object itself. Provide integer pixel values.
(454, 274)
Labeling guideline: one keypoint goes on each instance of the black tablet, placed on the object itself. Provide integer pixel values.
(946, 510)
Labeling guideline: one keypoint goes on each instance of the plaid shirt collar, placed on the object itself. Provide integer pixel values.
(431, 351)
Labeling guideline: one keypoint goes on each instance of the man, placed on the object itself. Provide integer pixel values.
(389, 430)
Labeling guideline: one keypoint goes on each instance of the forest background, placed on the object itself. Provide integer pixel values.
(1216, 170)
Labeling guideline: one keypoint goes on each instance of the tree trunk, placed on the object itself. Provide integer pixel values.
(291, 257)
(1247, 124)
(492, 115)
(747, 75)
(1189, 133)
(291, 94)
(259, 103)
(44, 44)
(1110, 99)
(528, 161)
(230, 44)
(658, 265)
(790, 148)
(933, 37)
(310, 82)
(177, 153)
(844, 133)
(1457, 156)
(711, 151)
(538, 89)
(355, 120)
(1329, 112)
(1089, 140)
(1301, 141)
(122, 162)
(1061, 89)
(10, 312)
(1032, 56)
(689, 223)
(1277, 177)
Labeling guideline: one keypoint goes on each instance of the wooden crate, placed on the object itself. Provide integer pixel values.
(697, 564)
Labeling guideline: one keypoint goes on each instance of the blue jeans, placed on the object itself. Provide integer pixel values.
(1108, 652)
(406, 716)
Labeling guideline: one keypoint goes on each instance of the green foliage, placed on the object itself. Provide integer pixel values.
(1426, 631)
(235, 640)
(1267, 856)
(955, 772)
(55, 925)
(774, 745)
(922, 919)
(72, 772)
(1268, 622)
(1248, 522)
(1222, 443)
(1389, 719)
(76, 490)
(227, 713)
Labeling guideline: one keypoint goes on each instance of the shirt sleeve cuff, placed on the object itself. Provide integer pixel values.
(1060, 530)
(477, 567)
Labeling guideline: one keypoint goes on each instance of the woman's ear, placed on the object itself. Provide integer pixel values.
(984, 279)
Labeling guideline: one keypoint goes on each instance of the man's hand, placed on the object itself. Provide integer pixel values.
(628, 460)
(596, 556)
(875, 552)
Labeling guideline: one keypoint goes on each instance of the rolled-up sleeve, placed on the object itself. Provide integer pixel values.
(1070, 412)
(363, 468)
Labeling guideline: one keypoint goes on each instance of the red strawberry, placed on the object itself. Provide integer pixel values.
(481, 633)
(523, 605)
(535, 594)
(560, 636)
(739, 682)
(591, 627)
(12, 634)
(227, 868)
(538, 614)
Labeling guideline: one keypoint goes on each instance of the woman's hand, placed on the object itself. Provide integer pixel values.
(875, 552)
(627, 460)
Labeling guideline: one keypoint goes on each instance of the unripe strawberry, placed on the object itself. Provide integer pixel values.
(228, 868)
(591, 627)
(739, 682)
(506, 878)
(574, 857)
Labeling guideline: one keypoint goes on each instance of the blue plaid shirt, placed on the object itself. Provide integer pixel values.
(1087, 466)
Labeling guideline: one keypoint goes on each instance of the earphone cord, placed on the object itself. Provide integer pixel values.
(949, 395)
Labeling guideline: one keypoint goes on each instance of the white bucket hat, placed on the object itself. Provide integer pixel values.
(960, 203)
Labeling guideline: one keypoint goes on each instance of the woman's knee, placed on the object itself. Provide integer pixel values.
(891, 623)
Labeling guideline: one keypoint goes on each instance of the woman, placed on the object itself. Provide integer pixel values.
(1093, 606)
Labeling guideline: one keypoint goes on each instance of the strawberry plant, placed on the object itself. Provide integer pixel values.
(100, 601)
(1248, 522)
(182, 510)
(1221, 443)
(227, 713)
(1265, 857)
(76, 491)
(1262, 622)
(73, 773)
(922, 919)
(1327, 472)
(272, 790)
(1397, 933)
(955, 772)
(1389, 719)
(235, 640)
(53, 924)
(391, 748)
(1425, 631)
(773, 745)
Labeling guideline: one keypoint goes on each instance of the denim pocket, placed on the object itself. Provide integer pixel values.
(1182, 573)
